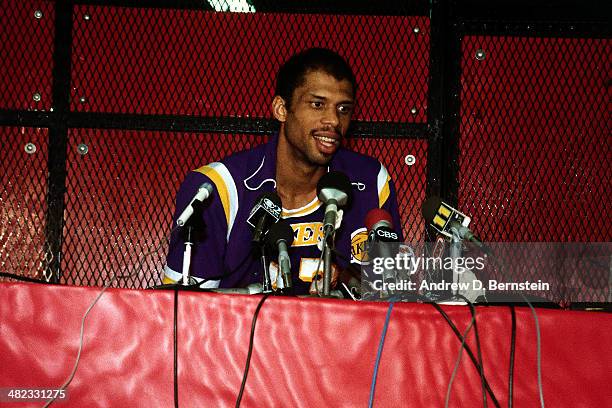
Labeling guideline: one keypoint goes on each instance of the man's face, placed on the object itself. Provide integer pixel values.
(318, 117)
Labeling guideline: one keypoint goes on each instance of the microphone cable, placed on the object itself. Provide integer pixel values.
(538, 350)
(478, 349)
(512, 351)
(477, 365)
(459, 337)
(501, 266)
(140, 264)
(458, 361)
(249, 354)
(379, 354)
(467, 347)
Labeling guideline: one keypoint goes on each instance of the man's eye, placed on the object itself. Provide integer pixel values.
(345, 109)
(316, 104)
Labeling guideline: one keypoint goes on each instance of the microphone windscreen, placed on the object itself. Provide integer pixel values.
(376, 215)
(280, 230)
(338, 181)
(267, 205)
(208, 187)
(430, 208)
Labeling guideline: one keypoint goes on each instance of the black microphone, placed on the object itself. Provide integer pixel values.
(379, 224)
(444, 218)
(202, 194)
(280, 237)
(335, 190)
(381, 237)
(266, 211)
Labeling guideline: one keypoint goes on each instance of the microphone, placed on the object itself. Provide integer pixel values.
(444, 219)
(266, 211)
(202, 194)
(379, 224)
(280, 237)
(335, 190)
(380, 236)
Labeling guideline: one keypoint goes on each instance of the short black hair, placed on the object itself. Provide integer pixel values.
(293, 72)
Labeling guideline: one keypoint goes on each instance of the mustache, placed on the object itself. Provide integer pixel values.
(328, 129)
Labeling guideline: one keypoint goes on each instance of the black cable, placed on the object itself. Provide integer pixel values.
(478, 349)
(457, 363)
(248, 359)
(538, 350)
(467, 347)
(23, 278)
(479, 367)
(175, 347)
(512, 348)
(501, 266)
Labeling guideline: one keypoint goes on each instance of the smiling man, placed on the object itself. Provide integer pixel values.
(315, 96)
(314, 112)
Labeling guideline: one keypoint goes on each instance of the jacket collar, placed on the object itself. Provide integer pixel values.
(261, 169)
(261, 173)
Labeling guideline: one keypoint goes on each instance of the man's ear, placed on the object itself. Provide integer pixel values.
(279, 110)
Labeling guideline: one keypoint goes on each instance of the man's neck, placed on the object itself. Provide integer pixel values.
(296, 181)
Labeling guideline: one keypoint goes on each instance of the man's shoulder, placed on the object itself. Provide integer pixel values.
(244, 156)
(352, 162)
(237, 163)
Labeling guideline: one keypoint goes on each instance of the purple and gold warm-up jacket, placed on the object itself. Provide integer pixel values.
(225, 257)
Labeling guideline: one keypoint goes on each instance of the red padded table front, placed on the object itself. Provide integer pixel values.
(307, 352)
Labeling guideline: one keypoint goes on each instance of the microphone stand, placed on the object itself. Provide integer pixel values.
(455, 254)
(327, 272)
(189, 231)
(192, 231)
(267, 284)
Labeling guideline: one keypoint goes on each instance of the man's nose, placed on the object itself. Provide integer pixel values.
(330, 117)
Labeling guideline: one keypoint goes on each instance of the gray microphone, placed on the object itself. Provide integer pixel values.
(201, 195)
(335, 190)
(280, 237)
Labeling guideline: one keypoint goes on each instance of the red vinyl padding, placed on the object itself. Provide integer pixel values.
(307, 352)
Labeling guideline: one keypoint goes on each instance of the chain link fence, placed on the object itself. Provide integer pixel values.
(139, 95)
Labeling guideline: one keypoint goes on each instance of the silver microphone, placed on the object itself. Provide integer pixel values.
(202, 194)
